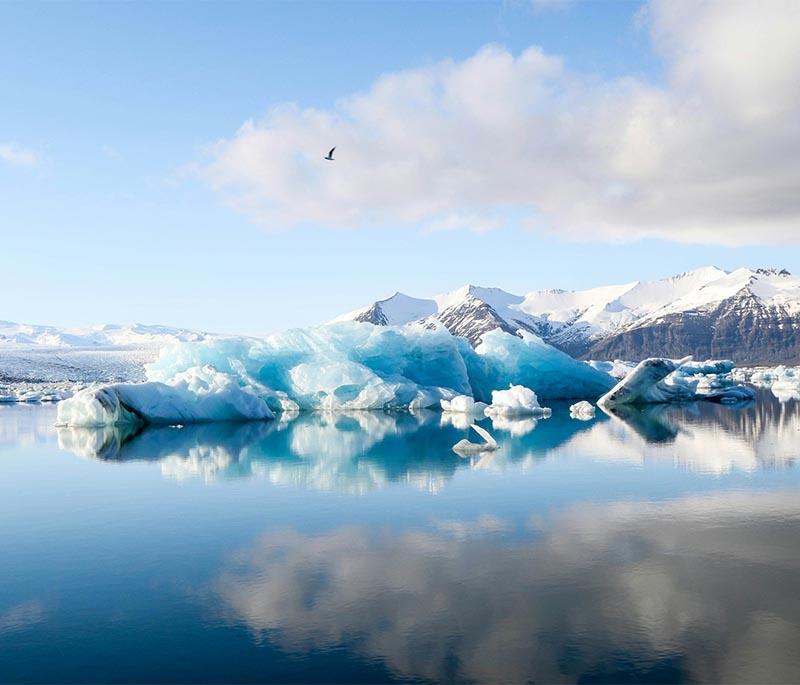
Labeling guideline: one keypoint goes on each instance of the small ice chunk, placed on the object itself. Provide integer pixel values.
(516, 401)
(583, 411)
(463, 404)
(466, 447)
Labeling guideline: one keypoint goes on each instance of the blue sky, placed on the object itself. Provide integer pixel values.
(108, 112)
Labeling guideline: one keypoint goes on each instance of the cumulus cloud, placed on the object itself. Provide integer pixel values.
(708, 155)
(20, 156)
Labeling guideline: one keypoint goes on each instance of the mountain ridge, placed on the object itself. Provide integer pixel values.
(751, 315)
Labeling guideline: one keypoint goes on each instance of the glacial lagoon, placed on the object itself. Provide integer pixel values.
(657, 545)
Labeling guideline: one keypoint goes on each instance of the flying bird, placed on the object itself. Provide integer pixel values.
(330, 154)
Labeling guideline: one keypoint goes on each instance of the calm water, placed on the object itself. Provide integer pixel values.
(661, 546)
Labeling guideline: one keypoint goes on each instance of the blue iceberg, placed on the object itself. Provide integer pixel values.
(339, 367)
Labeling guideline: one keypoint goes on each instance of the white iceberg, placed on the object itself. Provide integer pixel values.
(516, 401)
(660, 380)
(463, 404)
(783, 381)
(583, 411)
(489, 444)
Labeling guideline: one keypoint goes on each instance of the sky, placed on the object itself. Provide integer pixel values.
(162, 162)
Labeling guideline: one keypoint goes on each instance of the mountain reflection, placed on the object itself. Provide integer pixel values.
(362, 451)
(621, 592)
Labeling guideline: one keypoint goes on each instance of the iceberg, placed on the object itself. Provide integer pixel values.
(502, 359)
(783, 381)
(709, 366)
(583, 411)
(489, 444)
(196, 395)
(353, 366)
(516, 401)
(463, 404)
(660, 380)
(338, 367)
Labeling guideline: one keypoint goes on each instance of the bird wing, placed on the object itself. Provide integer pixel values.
(485, 435)
(330, 154)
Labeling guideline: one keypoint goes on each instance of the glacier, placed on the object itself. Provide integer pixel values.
(338, 367)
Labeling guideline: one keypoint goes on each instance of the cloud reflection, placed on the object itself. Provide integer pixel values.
(704, 587)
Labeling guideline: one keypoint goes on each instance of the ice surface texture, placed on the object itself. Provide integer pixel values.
(339, 367)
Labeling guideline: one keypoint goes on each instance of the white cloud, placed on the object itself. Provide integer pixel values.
(20, 156)
(711, 155)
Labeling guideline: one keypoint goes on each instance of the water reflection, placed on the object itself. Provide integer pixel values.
(704, 588)
(23, 425)
(703, 437)
(363, 451)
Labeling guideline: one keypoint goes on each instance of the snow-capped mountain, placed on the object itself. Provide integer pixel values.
(748, 315)
(103, 335)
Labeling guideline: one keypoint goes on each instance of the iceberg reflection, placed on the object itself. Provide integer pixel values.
(619, 592)
(706, 438)
(362, 451)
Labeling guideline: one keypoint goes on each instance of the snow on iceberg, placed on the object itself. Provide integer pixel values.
(338, 367)
(516, 401)
(661, 380)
